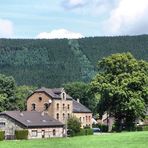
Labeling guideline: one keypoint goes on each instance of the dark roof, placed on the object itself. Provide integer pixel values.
(79, 108)
(54, 93)
(33, 119)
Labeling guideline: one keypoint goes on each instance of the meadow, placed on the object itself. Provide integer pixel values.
(113, 140)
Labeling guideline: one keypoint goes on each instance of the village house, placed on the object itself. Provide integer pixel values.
(46, 115)
(58, 105)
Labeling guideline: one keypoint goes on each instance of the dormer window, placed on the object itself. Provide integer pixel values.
(63, 95)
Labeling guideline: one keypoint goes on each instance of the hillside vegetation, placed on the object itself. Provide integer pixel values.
(51, 63)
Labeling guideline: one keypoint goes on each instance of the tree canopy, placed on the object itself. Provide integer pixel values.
(122, 82)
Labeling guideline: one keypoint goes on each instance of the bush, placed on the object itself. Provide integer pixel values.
(139, 128)
(85, 131)
(21, 134)
(74, 126)
(2, 135)
(89, 131)
(145, 128)
(81, 133)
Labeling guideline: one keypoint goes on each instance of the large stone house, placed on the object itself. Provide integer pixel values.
(46, 115)
(58, 105)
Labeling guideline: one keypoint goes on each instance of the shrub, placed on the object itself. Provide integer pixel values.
(89, 131)
(74, 126)
(145, 128)
(139, 128)
(2, 135)
(21, 134)
(81, 133)
(85, 131)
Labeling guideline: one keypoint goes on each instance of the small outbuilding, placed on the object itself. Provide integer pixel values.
(39, 125)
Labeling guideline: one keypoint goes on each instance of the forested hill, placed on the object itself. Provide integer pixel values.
(54, 62)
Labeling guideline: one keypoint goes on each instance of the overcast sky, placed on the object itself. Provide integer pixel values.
(72, 18)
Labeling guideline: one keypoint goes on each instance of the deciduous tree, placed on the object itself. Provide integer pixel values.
(122, 82)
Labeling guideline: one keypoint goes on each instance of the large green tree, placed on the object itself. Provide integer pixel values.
(122, 82)
(7, 93)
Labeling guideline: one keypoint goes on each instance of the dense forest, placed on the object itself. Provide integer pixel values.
(52, 63)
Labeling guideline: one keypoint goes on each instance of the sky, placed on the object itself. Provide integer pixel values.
(72, 18)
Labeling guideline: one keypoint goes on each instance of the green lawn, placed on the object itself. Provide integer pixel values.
(115, 140)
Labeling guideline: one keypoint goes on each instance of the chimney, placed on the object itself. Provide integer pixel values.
(78, 100)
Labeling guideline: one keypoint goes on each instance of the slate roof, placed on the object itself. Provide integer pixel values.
(79, 108)
(54, 93)
(32, 119)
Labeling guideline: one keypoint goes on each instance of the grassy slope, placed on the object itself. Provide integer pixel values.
(121, 140)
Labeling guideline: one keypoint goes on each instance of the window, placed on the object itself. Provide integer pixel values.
(57, 106)
(40, 98)
(63, 116)
(83, 119)
(34, 133)
(68, 116)
(86, 119)
(68, 107)
(2, 124)
(89, 119)
(45, 107)
(28, 121)
(63, 106)
(57, 116)
(54, 132)
(80, 119)
(33, 107)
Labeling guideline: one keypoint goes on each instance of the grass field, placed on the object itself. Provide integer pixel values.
(115, 140)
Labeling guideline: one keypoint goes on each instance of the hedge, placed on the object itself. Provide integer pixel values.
(142, 128)
(21, 134)
(2, 135)
(82, 132)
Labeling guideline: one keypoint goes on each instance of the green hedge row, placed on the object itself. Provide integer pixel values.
(142, 128)
(2, 135)
(82, 132)
(21, 134)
